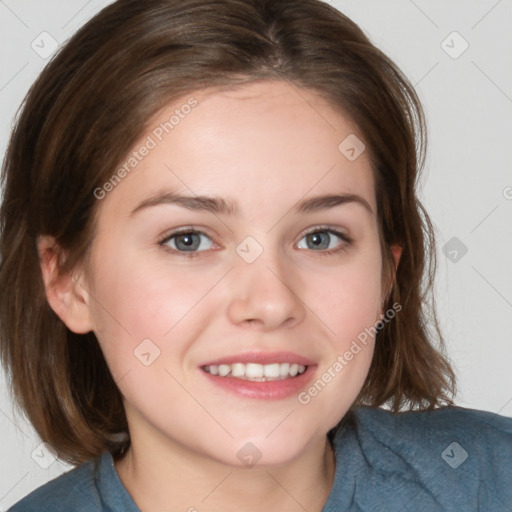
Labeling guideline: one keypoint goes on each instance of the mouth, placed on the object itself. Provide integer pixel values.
(261, 375)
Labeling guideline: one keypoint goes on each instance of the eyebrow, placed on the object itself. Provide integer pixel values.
(220, 206)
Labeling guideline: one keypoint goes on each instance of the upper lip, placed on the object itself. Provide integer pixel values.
(259, 357)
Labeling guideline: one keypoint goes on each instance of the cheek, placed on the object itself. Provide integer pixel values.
(140, 308)
(350, 313)
(348, 299)
(348, 303)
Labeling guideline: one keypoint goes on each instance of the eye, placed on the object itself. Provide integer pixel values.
(190, 241)
(327, 241)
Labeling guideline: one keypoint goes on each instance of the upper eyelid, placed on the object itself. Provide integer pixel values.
(330, 229)
(182, 231)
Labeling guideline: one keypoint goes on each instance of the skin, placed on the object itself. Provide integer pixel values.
(269, 145)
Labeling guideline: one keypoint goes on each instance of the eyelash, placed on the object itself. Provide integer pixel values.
(346, 241)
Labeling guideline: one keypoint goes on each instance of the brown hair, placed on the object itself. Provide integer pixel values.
(87, 109)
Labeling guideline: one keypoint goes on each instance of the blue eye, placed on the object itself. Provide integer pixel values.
(325, 240)
(188, 241)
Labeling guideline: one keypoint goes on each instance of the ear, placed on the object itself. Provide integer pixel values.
(396, 250)
(66, 293)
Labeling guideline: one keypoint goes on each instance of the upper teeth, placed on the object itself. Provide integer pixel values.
(258, 372)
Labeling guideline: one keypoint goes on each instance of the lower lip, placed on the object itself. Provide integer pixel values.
(267, 390)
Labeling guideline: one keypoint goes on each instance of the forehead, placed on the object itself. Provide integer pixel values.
(262, 143)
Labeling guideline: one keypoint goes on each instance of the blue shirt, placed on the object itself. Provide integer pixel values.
(448, 459)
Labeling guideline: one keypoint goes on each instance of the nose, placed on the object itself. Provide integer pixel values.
(265, 294)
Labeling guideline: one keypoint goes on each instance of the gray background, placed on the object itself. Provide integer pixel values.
(467, 186)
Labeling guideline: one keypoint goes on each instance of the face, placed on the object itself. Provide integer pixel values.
(229, 317)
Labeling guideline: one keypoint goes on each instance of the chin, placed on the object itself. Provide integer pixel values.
(260, 451)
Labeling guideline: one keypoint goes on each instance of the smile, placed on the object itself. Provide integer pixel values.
(256, 372)
(260, 375)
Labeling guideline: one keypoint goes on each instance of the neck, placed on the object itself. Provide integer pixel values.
(178, 480)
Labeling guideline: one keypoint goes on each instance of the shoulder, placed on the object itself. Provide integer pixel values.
(74, 490)
(449, 458)
(455, 436)
(473, 427)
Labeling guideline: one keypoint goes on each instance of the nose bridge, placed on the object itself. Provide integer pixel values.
(262, 289)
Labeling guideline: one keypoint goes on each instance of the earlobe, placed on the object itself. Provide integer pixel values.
(65, 291)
